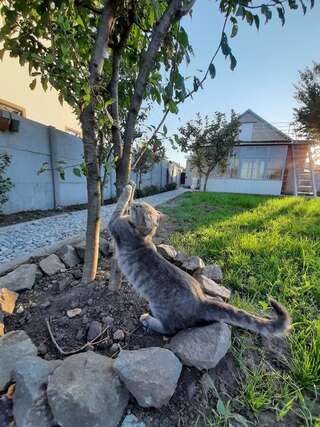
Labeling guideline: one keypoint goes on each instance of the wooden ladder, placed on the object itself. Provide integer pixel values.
(303, 174)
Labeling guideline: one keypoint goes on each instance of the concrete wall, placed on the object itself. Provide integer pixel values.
(35, 144)
(246, 186)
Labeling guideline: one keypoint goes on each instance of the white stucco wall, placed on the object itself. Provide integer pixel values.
(247, 186)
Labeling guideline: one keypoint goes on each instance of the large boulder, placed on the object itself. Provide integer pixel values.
(20, 279)
(51, 265)
(14, 346)
(30, 404)
(150, 374)
(167, 252)
(7, 300)
(69, 256)
(212, 288)
(213, 272)
(85, 391)
(202, 347)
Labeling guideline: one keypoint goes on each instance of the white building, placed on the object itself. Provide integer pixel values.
(264, 161)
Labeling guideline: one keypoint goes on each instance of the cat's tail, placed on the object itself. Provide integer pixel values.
(223, 312)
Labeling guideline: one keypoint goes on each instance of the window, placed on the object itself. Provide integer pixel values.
(12, 108)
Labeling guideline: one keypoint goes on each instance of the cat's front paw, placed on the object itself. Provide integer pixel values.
(144, 320)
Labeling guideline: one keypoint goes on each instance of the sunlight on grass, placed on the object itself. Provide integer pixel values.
(267, 247)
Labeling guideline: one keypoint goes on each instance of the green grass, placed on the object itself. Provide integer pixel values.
(266, 246)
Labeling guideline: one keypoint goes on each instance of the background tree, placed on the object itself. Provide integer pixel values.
(5, 182)
(307, 115)
(92, 50)
(145, 156)
(210, 142)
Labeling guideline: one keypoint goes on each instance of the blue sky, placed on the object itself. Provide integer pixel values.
(268, 65)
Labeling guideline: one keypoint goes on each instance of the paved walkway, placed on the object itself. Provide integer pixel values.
(22, 239)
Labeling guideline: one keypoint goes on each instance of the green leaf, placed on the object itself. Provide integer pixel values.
(196, 83)
(32, 85)
(212, 71)
(44, 82)
(241, 11)
(233, 62)
(60, 98)
(221, 408)
(80, 22)
(304, 8)
(234, 30)
(266, 12)
(292, 4)
(182, 38)
(165, 130)
(280, 11)
(224, 45)
(77, 172)
(256, 21)
(249, 17)
(173, 107)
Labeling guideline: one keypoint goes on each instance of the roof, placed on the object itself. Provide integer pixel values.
(278, 135)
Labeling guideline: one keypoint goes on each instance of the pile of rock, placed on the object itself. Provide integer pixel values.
(89, 388)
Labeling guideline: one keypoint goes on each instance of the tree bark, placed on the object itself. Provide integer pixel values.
(205, 182)
(89, 130)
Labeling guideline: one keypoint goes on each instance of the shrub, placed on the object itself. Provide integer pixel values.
(171, 186)
(5, 182)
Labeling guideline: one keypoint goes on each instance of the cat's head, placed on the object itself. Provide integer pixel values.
(145, 218)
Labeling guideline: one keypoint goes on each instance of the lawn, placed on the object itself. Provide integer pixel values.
(266, 246)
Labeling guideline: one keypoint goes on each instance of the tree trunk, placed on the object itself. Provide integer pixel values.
(205, 182)
(89, 130)
(94, 195)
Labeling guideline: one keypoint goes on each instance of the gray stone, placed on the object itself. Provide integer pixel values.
(212, 288)
(85, 391)
(150, 374)
(108, 321)
(180, 258)
(81, 249)
(119, 335)
(20, 279)
(30, 404)
(167, 251)
(213, 272)
(51, 265)
(14, 346)
(202, 347)
(74, 312)
(132, 421)
(104, 247)
(192, 263)
(94, 330)
(69, 256)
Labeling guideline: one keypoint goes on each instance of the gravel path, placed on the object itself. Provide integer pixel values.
(22, 239)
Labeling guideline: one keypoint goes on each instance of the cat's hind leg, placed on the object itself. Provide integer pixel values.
(152, 324)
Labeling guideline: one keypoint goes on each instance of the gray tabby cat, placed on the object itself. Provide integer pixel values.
(176, 299)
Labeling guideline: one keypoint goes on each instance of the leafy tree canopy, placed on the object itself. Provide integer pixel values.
(307, 115)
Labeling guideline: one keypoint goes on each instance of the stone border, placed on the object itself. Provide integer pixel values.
(45, 251)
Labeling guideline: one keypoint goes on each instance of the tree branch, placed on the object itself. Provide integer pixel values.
(174, 11)
(189, 93)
